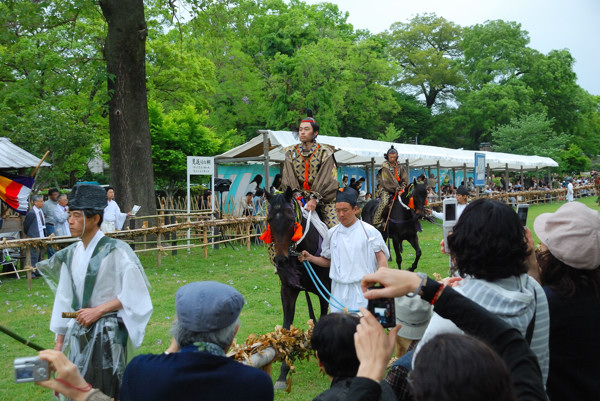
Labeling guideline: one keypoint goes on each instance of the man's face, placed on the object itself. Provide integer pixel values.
(63, 201)
(110, 194)
(461, 199)
(76, 223)
(248, 198)
(39, 203)
(346, 213)
(392, 157)
(54, 196)
(305, 132)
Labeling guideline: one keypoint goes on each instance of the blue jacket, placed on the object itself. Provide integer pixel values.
(191, 375)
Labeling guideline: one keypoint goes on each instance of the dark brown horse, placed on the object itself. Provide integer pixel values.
(403, 223)
(281, 219)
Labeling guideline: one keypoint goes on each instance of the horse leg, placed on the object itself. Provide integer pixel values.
(415, 244)
(311, 311)
(398, 249)
(289, 296)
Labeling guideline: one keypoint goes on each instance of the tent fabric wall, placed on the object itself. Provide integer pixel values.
(349, 150)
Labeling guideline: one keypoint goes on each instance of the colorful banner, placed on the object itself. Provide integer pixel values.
(15, 190)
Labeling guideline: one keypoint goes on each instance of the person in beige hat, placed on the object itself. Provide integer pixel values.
(568, 262)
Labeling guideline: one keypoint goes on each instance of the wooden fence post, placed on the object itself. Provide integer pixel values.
(205, 240)
(158, 245)
(248, 226)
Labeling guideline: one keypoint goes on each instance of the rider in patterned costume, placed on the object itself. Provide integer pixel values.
(310, 171)
(392, 178)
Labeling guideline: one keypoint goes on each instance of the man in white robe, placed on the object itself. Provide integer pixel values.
(101, 281)
(61, 216)
(351, 249)
(113, 219)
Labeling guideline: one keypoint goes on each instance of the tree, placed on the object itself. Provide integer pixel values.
(573, 160)
(175, 136)
(529, 135)
(51, 74)
(130, 147)
(426, 48)
(495, 51)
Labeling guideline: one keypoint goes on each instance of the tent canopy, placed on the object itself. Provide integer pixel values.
(13, 157)
(350, 150)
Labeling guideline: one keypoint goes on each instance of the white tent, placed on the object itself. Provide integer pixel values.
(269, 147)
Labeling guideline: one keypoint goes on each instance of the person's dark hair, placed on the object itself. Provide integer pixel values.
(109, 188)
(313, 123)
(249, 193)
(565, 280)
(52, 191)
(257, 179)
(259, 192)
(276, 181)
(89, 213)
(488, 242)
(333, 340)
(352, 181)
(392, 149)
(453, 367)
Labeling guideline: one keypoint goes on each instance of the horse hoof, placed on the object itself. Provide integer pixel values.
(279, 385)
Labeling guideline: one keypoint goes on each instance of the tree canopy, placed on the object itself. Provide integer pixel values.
(231, 67)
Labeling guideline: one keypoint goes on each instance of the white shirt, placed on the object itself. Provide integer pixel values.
(40, 222)
(570, 192)
(352, 253)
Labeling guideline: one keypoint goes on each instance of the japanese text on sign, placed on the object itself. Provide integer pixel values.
(197, 165)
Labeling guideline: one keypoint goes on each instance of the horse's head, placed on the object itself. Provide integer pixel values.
(281, 220)
(415, 195)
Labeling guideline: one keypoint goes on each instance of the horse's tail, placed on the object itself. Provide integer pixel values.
(311, 311)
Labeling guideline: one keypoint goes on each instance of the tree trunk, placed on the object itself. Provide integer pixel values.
(131, 172)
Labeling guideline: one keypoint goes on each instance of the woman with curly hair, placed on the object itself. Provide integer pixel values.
(490, 250)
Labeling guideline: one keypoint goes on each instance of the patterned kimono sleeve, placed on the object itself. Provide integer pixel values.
(288, 176)
(387, 180)
(325, 185)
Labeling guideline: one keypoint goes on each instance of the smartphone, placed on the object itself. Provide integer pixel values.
(522, 212)
(450, 206)
(384, 310)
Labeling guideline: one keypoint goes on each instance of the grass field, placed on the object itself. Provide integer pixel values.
(28, 312)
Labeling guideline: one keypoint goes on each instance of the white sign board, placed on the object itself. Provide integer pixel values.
(198, 165)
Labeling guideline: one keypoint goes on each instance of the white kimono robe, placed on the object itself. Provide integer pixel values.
(113, 219)
(119, 275)
(352, 253)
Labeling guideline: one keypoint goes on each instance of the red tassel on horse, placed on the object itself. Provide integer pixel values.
(266, 236)
(411, 203)
(297, 232)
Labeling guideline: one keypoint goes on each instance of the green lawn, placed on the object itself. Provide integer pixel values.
(28, 312)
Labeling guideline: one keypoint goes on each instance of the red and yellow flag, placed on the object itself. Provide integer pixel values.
(15, 190)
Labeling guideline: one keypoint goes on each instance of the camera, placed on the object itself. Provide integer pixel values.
(31, 369)
(383, 309)
(450, 206)
(522, 211)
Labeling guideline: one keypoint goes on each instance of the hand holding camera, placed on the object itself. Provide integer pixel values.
(37, 369)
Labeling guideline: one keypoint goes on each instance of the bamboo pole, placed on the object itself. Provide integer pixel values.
(205, 235)
(248, 226)
(158, 254)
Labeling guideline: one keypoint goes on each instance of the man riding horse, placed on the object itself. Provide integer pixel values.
(309, 170)
(392, 178)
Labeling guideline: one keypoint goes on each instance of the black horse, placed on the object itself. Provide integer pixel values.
(403, 222)
(281, 218)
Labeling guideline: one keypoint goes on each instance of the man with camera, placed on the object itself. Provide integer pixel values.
(102, 300)
(194, 367)
(351, 249)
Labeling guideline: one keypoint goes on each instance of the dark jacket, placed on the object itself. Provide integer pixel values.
(30, 225)
(574, 348)
(192, 375)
